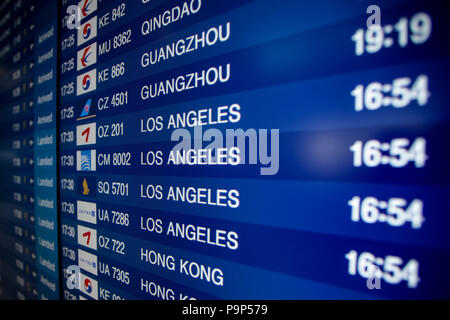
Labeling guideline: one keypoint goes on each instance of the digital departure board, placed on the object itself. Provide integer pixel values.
(29, 267)
(210, 150)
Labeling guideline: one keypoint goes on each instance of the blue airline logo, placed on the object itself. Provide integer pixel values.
(86, 160)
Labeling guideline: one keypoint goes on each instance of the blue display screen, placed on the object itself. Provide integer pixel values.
(243, 149)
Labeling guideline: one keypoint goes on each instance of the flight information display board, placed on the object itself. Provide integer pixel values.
(254, 150)
(29, 265)
(240, 149)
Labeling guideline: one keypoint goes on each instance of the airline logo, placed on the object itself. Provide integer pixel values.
(87, 7)
(87, 237)
(86, 186)
(85, 112)
(87, 56)
(87, 31)
(86, 160)
(87, 134)
(89, 286)
(87, 261)
(87, 82)
(87, 211)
